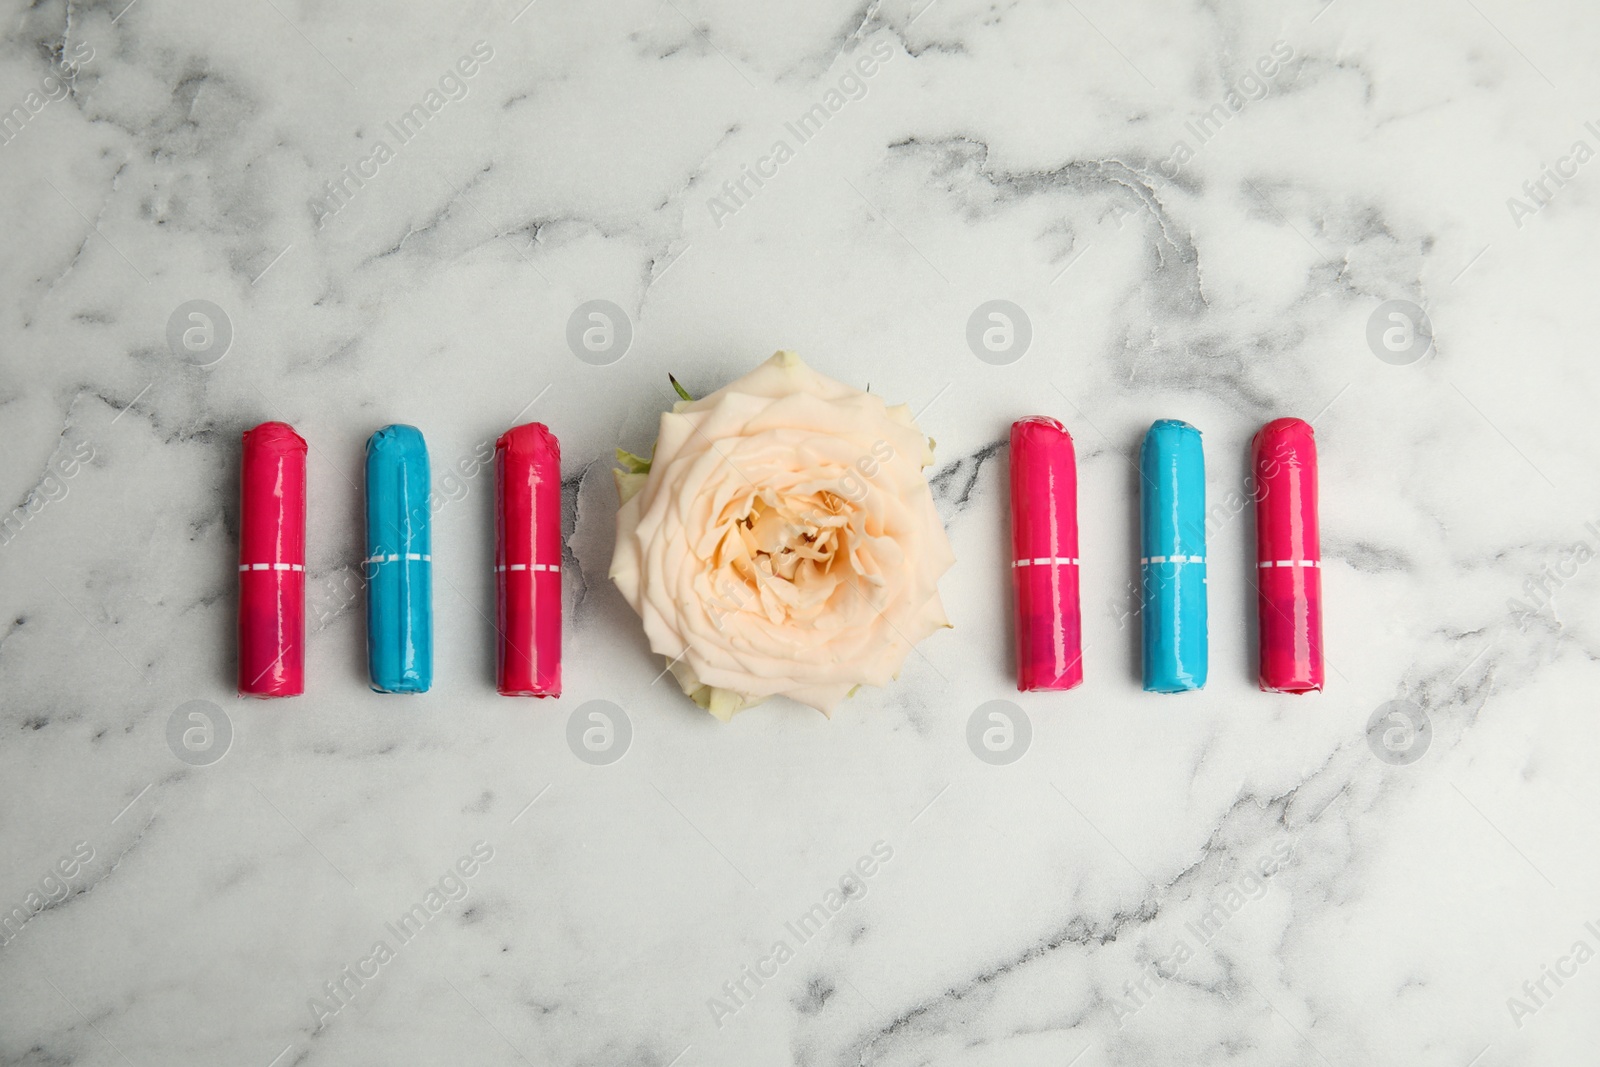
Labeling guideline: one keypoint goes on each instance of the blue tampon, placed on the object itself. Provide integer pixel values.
(1172, 543)
(399, 563)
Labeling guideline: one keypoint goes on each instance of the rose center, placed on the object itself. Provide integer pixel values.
(782, 534)
(778, 557)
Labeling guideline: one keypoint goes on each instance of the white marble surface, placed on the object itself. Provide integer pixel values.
(1019, 151)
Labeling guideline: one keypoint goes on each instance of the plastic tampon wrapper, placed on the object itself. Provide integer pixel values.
(399, 562)
(1172, 479)
(527, 561)
(1044, 560)
(1288, 557)
(272, 563)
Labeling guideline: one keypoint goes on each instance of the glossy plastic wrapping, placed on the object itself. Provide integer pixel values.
(272, 563)
(527, 561)
(1173, 557)
(399, 562)
(1044, 555)
(1288, 557)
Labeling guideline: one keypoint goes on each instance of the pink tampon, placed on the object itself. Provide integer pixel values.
(1288, 557)
(527, 561)
(272, 563)
(1044, 561)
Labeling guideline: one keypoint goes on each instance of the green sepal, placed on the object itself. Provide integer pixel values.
(634, 464)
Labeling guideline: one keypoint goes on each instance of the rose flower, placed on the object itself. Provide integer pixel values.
(782, 540)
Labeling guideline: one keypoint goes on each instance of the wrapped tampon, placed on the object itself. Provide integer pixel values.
(272, 563)
(1288, 557)
(527, 561)
(399, 562)
(1044, 560)
(1172, 479)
